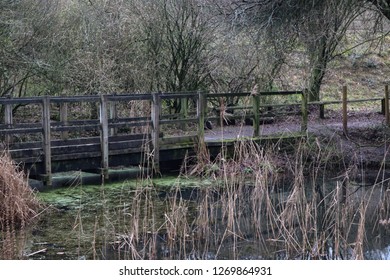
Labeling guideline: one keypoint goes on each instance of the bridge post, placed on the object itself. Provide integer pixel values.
(104, 136)
(184, 111)
(387, 114)
(305, 96)
(8, 120)
(64, 119)
(201, 109)
(47, 139)
(345, 111)
(113, 115)
(256, 114)
(155, 118)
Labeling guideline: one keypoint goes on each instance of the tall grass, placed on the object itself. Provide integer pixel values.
(18, 205)
(264, 202)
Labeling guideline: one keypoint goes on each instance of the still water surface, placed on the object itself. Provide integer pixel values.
(95, 222)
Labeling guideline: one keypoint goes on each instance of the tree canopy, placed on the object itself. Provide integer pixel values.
(79, 46)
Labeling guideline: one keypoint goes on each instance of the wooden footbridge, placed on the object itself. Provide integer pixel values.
(97, 133)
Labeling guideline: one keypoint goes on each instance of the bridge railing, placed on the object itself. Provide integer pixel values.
(254, 109)
(58, 134)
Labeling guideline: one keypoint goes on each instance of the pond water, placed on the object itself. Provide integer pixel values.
(181, 218)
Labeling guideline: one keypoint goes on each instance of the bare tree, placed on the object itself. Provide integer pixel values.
(176, 37)
(25, 30)
(319, 26)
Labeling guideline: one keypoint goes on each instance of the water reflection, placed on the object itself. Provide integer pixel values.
(195, 220)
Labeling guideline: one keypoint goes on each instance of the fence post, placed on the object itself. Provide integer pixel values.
(345, 110)
(64, 119)
(184, 111)
(47, 140)
(104, 136)
(305, 95)
(155, 117)
(8, 120)
(256, 114)
(201, 110)
(387, 115)
(113, 115)
(322, 111)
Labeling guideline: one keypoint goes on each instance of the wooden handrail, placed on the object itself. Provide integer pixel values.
(108, 121)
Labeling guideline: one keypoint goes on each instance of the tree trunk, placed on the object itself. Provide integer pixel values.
(319, 63)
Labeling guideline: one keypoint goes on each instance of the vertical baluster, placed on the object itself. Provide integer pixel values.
(104, 136)
(47, 140)
(155, 117)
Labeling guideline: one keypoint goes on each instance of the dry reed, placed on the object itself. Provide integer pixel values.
(18, 205)
(279, 202)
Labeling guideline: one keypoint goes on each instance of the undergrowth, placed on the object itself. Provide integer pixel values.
(18, 206)
(281, 203)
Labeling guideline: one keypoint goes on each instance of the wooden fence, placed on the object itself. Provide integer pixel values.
(108, 142)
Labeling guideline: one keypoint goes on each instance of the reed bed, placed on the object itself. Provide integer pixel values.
(18, 206)
(263, 203)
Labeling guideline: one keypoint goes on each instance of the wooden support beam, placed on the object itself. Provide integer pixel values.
(345, 110)
(201, 114)
(47, 140)
(322, 111)
(184, 111)
(64, 119)
(256, 114)
(386, 107)
(8, 120)
(155, 117)
(305, 111)
(113, 116)
(104, 136)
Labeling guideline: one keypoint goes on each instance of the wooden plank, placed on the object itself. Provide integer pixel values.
(341, 101)
(8, 121)
(128, 124)
(172, 95)
(90, 148)
(21, 101)
(256, 114)
(75, 99)
(64, 119)
(47, 140)
(305, 109)
(22, 153)
(113, 116)
(201, 109)
(21, 131)
(387, 114)
(127, 144)
(263, 93)
(86, 127)
(155, 117)
(127, 151)
(128, 97)
(104, 133)
(179, 139)
(76, 156)
(131, 119)
(184, 112)
(80, 141)
(179, 121)
(345, 110)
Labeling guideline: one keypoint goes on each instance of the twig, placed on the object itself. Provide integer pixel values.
(37, 252)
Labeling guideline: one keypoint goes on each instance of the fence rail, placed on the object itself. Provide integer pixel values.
(55, 124)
